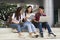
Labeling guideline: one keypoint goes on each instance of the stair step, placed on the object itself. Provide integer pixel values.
(5, 30)
(13, 35)
(6, 33)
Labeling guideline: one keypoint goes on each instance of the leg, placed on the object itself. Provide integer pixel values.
(28, 25)
(33, 28)
(16, 26)
(40, 29)
(49, 29)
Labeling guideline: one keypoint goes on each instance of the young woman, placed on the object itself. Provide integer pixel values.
(15, 19)
(29, 16)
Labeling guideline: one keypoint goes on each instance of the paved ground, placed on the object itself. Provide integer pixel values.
(7, 34)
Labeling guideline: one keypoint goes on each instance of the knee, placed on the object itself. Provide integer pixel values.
(28, 25)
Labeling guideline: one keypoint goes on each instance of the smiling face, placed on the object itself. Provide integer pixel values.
(29, 9)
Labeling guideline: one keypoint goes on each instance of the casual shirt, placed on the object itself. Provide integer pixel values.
(37, 16)
(30, 16)
(20, 19)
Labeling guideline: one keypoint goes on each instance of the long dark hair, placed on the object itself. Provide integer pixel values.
(17, 13)
(27, 9)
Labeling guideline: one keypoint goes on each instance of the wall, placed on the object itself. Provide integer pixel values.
(58, 15)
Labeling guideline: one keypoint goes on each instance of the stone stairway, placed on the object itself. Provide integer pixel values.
(7, 34)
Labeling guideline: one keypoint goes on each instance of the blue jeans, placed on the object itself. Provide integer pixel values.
(30, 26)
(16, 26)
(47, 26)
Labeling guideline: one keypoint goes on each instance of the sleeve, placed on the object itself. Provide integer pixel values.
(44, 14)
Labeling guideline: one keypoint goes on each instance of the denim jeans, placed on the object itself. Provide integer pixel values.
(30, 26)
(16, 26)
(47, 26)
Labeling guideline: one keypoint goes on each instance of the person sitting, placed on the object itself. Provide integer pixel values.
(37, 18)
(29, 16)
(15, 19)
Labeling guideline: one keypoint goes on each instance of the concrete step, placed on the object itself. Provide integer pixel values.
(6, 34)
(5, 30)
(14, 35)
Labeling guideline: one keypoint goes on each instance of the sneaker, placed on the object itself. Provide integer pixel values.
(42, 35)
(52, 34)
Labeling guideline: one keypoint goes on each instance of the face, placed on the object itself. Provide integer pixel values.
(29, 9)
(41, 11)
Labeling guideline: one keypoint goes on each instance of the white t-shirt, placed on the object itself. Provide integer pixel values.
(30, 16)
(15, 20)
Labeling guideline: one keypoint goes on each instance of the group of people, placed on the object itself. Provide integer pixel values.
(18, 18)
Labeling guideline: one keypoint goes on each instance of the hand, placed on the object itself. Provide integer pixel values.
(36, 21)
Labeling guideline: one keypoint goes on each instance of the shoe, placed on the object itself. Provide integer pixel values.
(52, 34)
(34, 36)
(42, 35)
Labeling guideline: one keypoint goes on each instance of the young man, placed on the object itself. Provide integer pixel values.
(37, 18)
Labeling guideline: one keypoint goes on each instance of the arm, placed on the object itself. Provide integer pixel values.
(35, 20)
(14, 19)
(44, 14)
(35, 17)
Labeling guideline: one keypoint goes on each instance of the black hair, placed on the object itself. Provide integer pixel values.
(41, 7)
(27, 9)
(17, 13)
